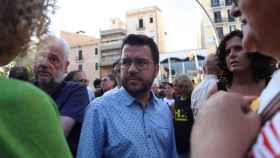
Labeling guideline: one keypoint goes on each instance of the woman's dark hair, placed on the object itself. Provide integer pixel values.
(263, 66)
(19, 20)
(70, 75)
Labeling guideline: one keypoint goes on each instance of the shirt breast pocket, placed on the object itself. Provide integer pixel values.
(119, 149)
(161, 132)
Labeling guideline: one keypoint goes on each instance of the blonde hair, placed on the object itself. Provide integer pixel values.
(184, 80)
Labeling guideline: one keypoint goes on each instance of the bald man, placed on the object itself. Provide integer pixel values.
(200, 92)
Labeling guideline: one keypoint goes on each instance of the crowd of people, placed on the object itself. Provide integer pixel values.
(52, 113)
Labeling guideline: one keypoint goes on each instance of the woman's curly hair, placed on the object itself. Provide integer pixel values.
(263, 66)
(21, 19)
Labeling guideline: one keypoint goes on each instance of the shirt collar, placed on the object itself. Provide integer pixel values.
(128, 100)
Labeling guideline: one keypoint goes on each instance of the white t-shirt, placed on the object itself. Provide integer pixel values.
(200, 92)
(170, 102)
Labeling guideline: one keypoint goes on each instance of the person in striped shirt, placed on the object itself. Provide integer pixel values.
(231, 129)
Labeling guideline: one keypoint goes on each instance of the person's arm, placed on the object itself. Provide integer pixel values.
(67, 124)
(92, 136)
(223, 129)
(74, 108)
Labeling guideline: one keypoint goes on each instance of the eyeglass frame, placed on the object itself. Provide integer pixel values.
(139, 63)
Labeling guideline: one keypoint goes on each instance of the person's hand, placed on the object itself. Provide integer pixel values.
(224, 127)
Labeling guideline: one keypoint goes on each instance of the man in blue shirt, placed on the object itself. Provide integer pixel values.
(131, 122)
(71, 98)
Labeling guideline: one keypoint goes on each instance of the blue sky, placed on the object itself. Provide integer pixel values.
(181, 18)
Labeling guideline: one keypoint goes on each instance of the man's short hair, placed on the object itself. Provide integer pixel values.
(139, 40)
(60, 40)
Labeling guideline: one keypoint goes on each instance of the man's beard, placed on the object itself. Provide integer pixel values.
(49, 84)
(146, 86)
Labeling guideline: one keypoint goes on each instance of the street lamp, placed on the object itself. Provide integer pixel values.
(211, 21)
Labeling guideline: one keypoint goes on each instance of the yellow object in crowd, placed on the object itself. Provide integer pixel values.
(255, 105)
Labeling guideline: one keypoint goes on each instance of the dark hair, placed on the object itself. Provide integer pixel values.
(116, 63)
(263, 66)
(137, 39)
(70, 75)
(19, 20)
(96, 83)
(19, 72)
(112, 78)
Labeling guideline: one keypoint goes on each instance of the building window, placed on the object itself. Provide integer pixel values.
(228, 2)
(96, 66)
(232, 28)
(230, 18)
(151, 20)
(96, 51)
(215, 3)
(80, 67)
(217, 17)
(141, 24)
(80, 55)
(220, 32)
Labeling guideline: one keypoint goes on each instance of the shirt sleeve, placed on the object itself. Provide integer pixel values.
(76, 103)
(92, 135)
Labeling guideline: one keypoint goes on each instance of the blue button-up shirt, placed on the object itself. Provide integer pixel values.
(117, 126)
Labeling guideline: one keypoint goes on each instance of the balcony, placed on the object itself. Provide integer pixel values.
(79, 60)
(140, 28)
(221, 4)
(111, 45)
(109, 60)
(223, 20)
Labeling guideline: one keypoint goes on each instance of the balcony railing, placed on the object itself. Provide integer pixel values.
(79, 60)
(109, 60)
(222, 3)
(111, 45)
(224, 19)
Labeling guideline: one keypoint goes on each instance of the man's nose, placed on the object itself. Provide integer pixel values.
(232, 54)
(132, 68)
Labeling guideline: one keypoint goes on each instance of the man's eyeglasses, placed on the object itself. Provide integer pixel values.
(139, 63)
(82, 81)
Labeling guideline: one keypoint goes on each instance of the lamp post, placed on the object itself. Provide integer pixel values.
(211, 22)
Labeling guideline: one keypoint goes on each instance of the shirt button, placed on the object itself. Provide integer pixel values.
(149, 136)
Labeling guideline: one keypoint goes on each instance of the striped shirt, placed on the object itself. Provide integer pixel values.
(268, 141)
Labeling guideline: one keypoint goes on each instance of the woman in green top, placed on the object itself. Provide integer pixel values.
(29, 123)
